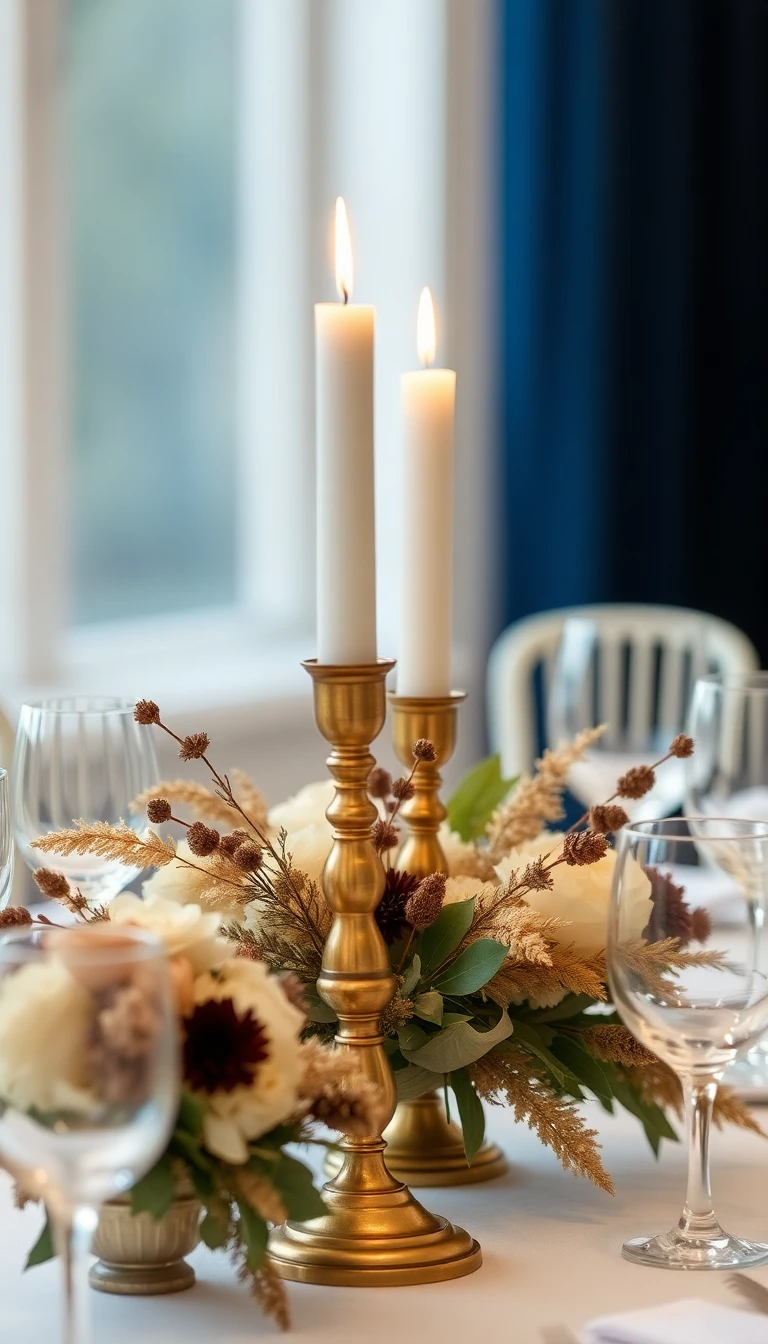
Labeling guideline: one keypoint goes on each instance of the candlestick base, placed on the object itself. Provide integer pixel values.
(424, 1150)
(375, 1234)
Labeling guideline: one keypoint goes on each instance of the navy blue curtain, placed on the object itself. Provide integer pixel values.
(635, 305)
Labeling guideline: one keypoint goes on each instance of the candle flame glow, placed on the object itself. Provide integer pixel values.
(426, 339)
(344, 269)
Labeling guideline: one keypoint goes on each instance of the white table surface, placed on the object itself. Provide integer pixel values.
(551, 1246)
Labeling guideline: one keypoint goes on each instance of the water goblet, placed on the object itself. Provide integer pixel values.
(696, 1012)
(6, 841)
(89, 1077)
(80, 757)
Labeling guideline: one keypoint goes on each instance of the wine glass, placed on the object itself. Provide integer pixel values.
(727, 776)
(6, 841)
(699, 1015)
(89, 1077)
(80, 757)
(596, 679)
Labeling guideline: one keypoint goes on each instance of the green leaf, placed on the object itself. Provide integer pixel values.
(213, 1232)
(652, 1118)
(449, 1018)
(443, 937)
(184, 1145)
(571, 1006)
(255, 1234)
(411, 1037)
(587, 1069)
(458, 1045)
(191, 1114)
(154, 1192)
(536, 1042)
(471, 1113)
(412, 1082)
(411, 977)
(317, 1009)
(473, 803)
(43, 1248)
(473, 968)
(429, 1007)
(294, 1181)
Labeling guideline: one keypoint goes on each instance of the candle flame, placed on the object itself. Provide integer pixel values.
(344, 269)
(426, 339)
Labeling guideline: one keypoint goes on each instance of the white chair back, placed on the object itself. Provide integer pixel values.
(644, 651)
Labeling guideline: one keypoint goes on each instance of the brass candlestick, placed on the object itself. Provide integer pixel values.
(422, 1148)
(374, 1233)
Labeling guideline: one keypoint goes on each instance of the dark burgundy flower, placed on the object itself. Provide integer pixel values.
(390, 912)
(222, 1048)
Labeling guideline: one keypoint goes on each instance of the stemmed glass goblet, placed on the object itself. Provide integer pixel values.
(6, 841)
(698, 1011)
(89, 1077)
(80, 757)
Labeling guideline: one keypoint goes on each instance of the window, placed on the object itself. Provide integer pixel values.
(150, 163)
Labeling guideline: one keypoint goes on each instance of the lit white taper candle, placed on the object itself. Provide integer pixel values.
(346, 565)
(428, 399)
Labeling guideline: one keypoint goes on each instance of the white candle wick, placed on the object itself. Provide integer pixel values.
(344, 268)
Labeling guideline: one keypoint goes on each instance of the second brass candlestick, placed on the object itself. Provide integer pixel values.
(422, 1148)
(374, 1232)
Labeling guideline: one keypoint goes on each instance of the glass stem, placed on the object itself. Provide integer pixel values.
(72, 1236)
(698, 1217)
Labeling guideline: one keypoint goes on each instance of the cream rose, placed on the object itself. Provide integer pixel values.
(463, 888)
(459, 855)
(177, 882)
(235, 1117)
(184, 930)
(306, 808)
(45, 1023)
(581, 896)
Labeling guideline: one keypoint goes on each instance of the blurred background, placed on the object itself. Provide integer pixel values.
(582, 184)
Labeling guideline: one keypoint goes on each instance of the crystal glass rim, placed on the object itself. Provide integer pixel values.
(755, 683)
(670, 828)
(80, 705)
(136, 945)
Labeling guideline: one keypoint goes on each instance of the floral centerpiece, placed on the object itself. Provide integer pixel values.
(251, 1083)
(502, 988)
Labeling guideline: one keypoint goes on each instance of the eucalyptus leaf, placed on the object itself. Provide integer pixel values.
(294, 1182)
(471, 1113)
(255, 1235)
(587, 1069)
(652, 1118)
(473, 968)
(476, 798)
(154, 1193)
(429, 1007)
(43, 1248)
(572, 1005)
(449, 1018)
(443, 937)
(213, 1232)
(536, 1043)
(458, 1045)
(411, 977)
(412, 1082)
(411, 1037)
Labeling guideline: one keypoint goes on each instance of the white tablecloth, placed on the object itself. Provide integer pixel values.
(551, 1248)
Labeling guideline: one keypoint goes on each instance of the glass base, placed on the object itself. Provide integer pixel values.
(675, 1250)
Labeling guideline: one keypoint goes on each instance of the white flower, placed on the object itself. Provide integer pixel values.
(177, 882)
(45, 1022)
(463, 888)
(582, 895)
(233, 1118)
(306, 808)
(460, 856)
(184, 930)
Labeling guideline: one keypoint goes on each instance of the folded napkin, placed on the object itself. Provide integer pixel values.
(689, 1322)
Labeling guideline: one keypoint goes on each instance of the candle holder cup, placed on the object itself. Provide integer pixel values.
(374, 1232)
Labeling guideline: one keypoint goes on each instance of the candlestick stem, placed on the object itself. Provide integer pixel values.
(374, 1232)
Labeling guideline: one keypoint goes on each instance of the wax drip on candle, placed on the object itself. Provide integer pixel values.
(344, 270)
(426, 339)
